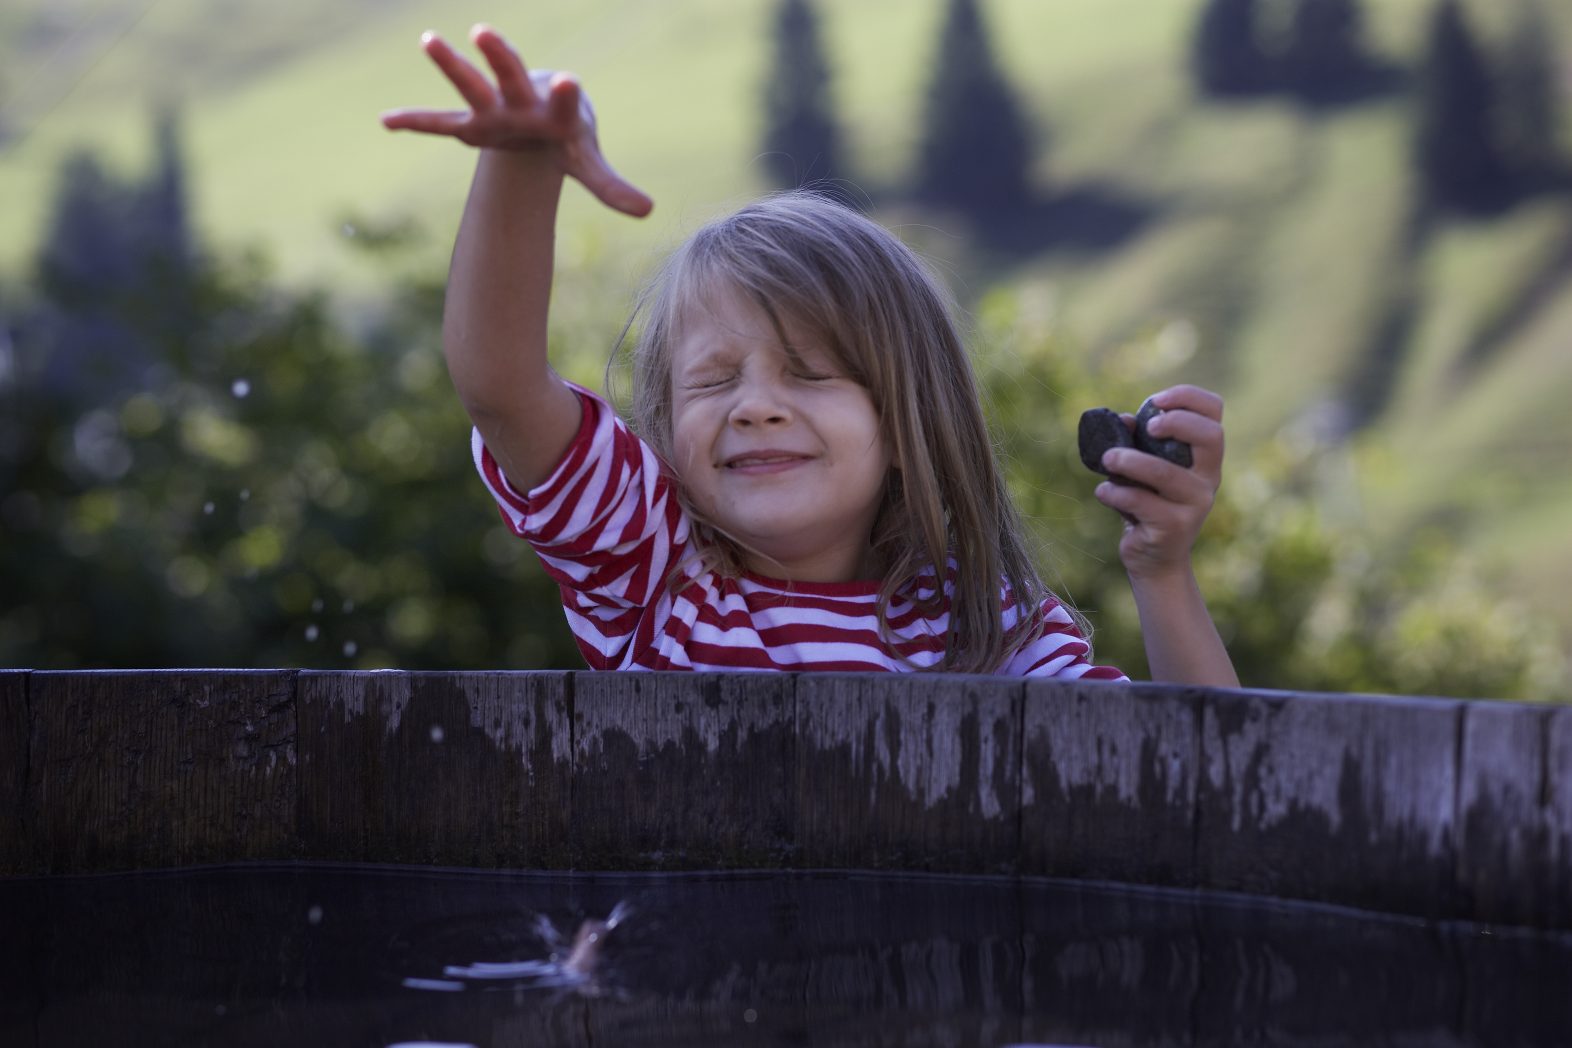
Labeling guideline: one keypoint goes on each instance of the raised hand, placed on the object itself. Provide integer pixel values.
(1161, 524)
(520, 110)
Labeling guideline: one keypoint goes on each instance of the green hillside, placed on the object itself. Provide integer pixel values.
(1275, 237)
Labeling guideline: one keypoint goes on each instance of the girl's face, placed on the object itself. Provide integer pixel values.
(784, 454)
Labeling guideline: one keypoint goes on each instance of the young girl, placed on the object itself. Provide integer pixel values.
(812, 486)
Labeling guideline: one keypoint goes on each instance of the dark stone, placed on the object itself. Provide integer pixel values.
(1100, 430)
(1175, 451)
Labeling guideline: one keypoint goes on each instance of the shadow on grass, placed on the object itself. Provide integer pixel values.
(1088, 219)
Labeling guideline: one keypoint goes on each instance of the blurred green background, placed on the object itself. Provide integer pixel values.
(227, 437)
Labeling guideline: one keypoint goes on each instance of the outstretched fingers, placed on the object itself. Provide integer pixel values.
(616, 192)
(426, 121)
(513, 79)
(520, 109)
(470, 82)
(569, 109)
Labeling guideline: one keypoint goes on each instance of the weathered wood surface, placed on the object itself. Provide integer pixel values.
(1429, 807)
(908, 778)
(676, 771)
(1109, 788)
(1330, 797)
(142, 768)
(465, 769)
(15, 832)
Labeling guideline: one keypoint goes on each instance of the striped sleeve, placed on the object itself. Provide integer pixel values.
(1061, 651)
(606, 524)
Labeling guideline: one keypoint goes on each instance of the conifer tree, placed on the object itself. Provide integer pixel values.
(116, 267)
(1324, 57)
(1455, 147)
(162, 210)
(976, 150)
(1529, 114)
(1226, 57)
(86, 253)
(164, 240)
(801, 144)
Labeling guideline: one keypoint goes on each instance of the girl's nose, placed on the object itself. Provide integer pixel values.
(759, 403)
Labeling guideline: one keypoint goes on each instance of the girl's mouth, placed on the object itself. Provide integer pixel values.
(764, 462)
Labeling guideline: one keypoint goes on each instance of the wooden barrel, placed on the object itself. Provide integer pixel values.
(1438, 808)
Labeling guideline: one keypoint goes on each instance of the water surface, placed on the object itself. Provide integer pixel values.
(377, 956)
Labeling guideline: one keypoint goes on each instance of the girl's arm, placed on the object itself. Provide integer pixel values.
(1161, 525)
(533, 131)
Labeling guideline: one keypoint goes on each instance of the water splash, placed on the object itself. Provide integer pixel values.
(574, 965)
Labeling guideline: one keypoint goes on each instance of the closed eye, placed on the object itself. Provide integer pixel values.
(706, 383)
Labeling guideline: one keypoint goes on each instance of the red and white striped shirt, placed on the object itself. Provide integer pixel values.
(609, 528)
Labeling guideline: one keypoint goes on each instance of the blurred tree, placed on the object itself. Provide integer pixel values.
(289, 496)
(1530, 96)
(164, 238)
(801, 143)
(1456, 149)
(1226, 55)
(88, 262)
(976, 152)
(1324, 59)
(114, 267)
(273, 492)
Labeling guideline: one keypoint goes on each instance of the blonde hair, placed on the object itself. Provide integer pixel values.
(871, 302)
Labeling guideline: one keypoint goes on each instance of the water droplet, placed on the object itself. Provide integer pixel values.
(436, 733)
(312, 632)
(245, 494)
(316, 605)
(314, 915)
(240, 388)
(350, 647)
(99, 445)
(750, 1016)
(207, 507)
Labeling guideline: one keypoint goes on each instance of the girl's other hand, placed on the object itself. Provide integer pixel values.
(1161, 524)
(540, 112)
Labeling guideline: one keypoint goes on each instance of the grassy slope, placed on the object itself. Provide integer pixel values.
(1276, 233)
